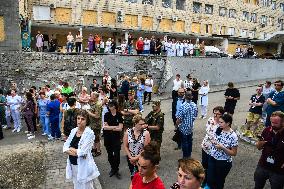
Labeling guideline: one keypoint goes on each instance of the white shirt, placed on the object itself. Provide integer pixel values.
(267, 91)
(188, 84)
(147, 45)
(14, 102)
(149, 88)
(102, 45)
(70, 38)
(177, 84)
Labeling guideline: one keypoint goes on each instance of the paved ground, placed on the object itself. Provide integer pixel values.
(240, 177)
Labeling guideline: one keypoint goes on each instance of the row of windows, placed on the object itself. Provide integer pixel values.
(180, 4)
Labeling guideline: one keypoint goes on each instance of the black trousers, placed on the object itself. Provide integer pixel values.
(149, 96)
(113, 155)
(1, 132)
(261, 175)
(205, 158)
(78, 46)
(132, 168)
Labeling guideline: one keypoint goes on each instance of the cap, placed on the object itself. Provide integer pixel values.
(156, 103)
(188, 76)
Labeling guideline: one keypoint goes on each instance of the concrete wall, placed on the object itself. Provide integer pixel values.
(9, 11)
(38, 69)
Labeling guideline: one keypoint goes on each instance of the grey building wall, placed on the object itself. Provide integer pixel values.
(9, 9)
(38, 69)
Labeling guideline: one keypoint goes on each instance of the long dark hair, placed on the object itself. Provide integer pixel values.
(227, 119)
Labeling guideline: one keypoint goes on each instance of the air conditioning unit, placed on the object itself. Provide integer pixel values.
(160, 17)
(120, 19)
(52, 6)
(175, 18)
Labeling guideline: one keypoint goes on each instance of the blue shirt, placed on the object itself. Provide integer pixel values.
(54, 109)
(42, 106)
(277, 97)
(140, 92)
(187, 114)
(180, 101)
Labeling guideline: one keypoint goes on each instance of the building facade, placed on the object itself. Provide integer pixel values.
(224, 24)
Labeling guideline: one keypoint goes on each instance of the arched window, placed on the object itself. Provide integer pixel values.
(147, 2)
(167, 3)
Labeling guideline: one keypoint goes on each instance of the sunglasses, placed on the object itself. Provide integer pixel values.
(276, 84)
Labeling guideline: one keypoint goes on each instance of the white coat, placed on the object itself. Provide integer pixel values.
(87, 168)
(203, 92)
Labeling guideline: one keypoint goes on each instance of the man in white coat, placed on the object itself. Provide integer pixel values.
(179, 48)
(203, 92)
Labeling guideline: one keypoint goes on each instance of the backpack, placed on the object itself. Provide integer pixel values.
(70, 121)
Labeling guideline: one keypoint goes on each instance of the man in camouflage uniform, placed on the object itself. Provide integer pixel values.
(130, 109)
(95, 114)
(155, 121)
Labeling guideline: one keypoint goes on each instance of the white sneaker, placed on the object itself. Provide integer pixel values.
(141, 111)
(31, 137)
(14, 130)
(4, 126)
(50, 137)
(43, 134)
(26, 132)
(29, 134)
(18, 130)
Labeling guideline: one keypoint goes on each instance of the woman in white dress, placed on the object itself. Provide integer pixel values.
(81, 167)
(39, 41)
(203, 92)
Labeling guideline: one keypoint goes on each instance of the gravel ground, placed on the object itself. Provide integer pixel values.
(240, 176)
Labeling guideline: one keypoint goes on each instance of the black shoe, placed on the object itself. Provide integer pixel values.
(118, 175)
(111, 173)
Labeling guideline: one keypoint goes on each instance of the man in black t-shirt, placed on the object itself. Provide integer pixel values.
(256, 102)
(232, 95)
(113, 125)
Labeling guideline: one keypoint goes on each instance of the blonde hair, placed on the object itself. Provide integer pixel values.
(137, 118)
(192, 166)
(84, 89)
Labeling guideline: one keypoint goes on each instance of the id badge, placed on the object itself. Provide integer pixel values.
(270, 160)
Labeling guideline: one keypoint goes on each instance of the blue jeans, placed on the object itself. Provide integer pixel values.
(55, 132)
(129, 49)
(186, 145)
(69, 47)
(44, 121)
(140, 100)
(217, 172)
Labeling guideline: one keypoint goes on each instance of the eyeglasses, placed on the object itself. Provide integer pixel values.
(276, 84)
(217, 114)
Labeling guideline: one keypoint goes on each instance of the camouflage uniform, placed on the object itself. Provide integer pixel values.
(153, 119)
(128, 118)
(96, 123)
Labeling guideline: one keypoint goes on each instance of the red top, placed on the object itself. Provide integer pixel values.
(140, 45)
(137, 183)
(274, 148)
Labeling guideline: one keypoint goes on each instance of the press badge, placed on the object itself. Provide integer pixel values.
(270, 160)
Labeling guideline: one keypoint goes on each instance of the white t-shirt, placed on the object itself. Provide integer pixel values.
(102, 45)
(147, 45)
(149, 82)
(177, 84)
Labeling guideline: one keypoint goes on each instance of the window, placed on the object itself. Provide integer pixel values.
(252, 34)
(245, 16)
(273, 5)
(265, 3)
(263, 20)
(167, 3)
(232, 13)
(253, 18)
(222, 11)
(223, 30)
(208, 28)
(208, 9)
(131, 1)
(271, 21)
(147, 2)
(282, 6)
(244, 32)
(281, 24)
(197, 7)
(180, 4)
(231, 31)
(195, 27)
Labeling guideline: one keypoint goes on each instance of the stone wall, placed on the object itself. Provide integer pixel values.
(39, 69)
(10, 36)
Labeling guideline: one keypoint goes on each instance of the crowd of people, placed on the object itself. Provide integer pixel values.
(141, 46)
(113, 108)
